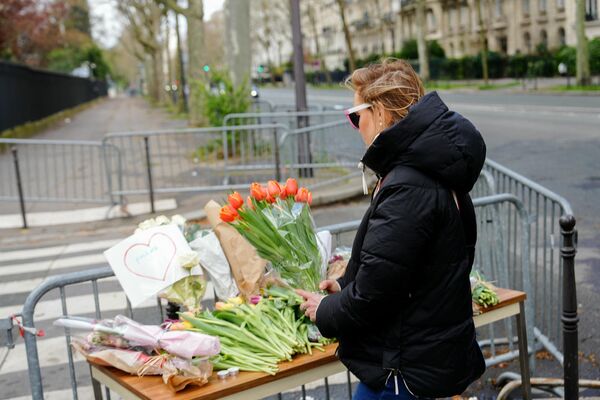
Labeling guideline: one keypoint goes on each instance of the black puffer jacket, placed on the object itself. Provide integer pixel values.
(405, 304)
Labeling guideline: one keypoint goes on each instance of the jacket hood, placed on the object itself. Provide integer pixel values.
(438, 142)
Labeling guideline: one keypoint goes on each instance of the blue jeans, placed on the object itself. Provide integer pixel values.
(363, 392)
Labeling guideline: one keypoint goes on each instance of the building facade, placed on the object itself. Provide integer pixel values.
(382, 26)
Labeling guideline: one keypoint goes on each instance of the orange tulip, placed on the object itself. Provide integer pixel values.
(250, 204)
(291, 187)
(257, 191)
(302, 195)
(309, 198)
(236, 200)
(228, 213)
(274, 188)
(270, 199)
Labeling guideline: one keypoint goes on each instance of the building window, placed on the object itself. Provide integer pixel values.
(451, 48)
(562, 41)
(462, 48)
(527, 42)
(544, 38)
(464, 15)
(431, 22)
(526, 7)
(498, 8)
(543, 6)
(503, 44)
(560, 5)
(452, 17)
(591, 10)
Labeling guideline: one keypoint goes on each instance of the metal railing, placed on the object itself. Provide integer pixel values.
(545, 209)
(291, 119)
(55, 171)
(192, 160)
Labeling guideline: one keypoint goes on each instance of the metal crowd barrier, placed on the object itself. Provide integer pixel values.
(65, 171)
(494, 252)
(291, 119)
(545, 208)
(192, 160)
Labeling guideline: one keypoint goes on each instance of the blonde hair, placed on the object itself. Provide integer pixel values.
(391, 84)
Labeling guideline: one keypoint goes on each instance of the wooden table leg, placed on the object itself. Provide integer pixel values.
(523, 352)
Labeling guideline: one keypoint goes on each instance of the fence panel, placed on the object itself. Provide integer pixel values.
(546, 273)
(68, 171)
(291, 119)
(319, 155)
(193, 160)
(30, 94)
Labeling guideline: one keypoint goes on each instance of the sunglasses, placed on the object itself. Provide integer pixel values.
(353, 116)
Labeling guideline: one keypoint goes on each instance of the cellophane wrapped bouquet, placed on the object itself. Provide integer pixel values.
(276, 220)
(180, 357)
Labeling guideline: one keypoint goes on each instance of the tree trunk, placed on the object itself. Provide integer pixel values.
(237, 49)
(347, 36)
(168, 57)
(421, 42)
(583, 56)
(313, 24)
(483, 42)
(195, 40)
(182, 102)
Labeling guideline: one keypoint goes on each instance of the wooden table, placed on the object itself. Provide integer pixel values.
(302, 369)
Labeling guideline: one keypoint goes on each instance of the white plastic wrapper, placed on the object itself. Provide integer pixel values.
(324, 242)
(215, 264)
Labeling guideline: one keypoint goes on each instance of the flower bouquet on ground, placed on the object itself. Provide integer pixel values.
(276, 220)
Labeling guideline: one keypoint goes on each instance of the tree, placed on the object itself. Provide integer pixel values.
(31, 30)
(421, 42)
(194, 15)
(237, 36)
(144, 20)
(313, 24)
(483, 41)
(270, 20)
(347, 35)
(583, 56)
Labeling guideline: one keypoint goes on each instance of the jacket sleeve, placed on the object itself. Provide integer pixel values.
(398, 233)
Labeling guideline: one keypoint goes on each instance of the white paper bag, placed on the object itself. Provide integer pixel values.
(147, 262)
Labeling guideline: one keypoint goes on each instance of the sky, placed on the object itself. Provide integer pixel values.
(107, 23)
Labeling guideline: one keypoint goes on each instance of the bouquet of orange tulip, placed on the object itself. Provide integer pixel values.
(276, 220)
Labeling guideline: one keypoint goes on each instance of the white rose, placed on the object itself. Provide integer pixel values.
(162, 220)
(188, 260)
(147, 224)
(178, 220)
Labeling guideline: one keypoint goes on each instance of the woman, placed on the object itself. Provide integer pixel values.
(402, 311)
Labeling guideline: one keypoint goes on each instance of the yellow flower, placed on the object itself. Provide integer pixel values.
(236, 300)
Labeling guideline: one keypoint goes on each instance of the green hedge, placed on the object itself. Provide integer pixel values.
(544, 63)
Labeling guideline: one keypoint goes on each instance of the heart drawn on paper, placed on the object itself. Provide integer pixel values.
(151, 260)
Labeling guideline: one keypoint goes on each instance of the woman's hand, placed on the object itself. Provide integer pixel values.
(311, 304)
(330, 285)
